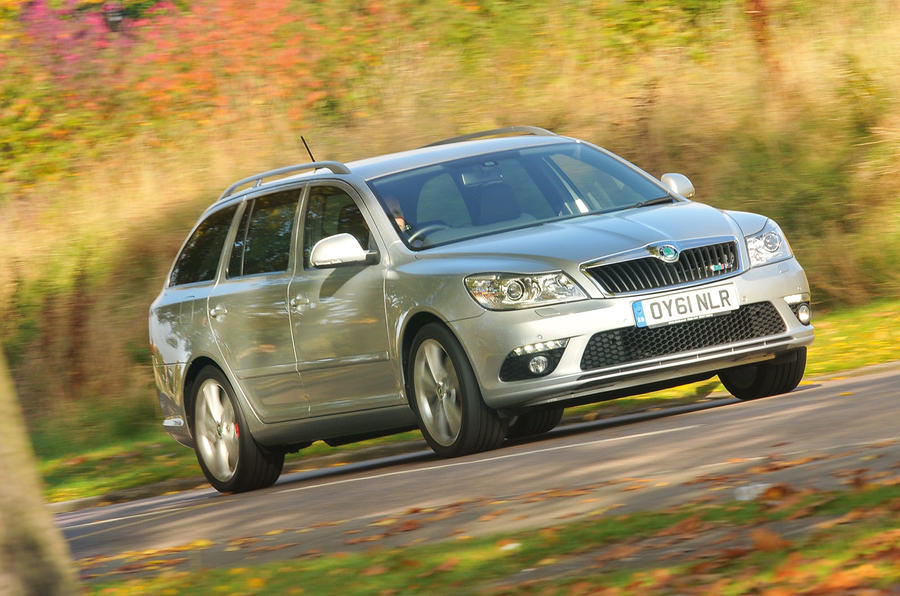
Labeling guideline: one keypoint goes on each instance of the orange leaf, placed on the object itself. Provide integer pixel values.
(777, 492)
(375, 570)
(767, 540)
(448, 565)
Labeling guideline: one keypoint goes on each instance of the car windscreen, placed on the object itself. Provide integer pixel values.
(492, 193)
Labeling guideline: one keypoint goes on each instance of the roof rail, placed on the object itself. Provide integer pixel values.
(528, 130)
(335, 166)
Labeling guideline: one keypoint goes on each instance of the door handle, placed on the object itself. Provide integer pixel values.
(298, 302)
(218, 311)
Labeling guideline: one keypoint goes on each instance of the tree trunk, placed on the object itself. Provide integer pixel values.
(34, 559)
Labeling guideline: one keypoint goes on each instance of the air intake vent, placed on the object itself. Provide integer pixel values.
(632, 344)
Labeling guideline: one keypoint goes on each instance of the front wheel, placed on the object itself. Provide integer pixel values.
(446, 398)
(763, 379)
(530, 424)
(229, 457)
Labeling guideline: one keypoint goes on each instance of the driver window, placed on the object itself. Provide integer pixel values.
(330, 210)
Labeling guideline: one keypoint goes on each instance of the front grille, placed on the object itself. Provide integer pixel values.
(631, 344)
(650, 273)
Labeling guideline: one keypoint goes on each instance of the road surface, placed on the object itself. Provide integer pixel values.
(831, 432)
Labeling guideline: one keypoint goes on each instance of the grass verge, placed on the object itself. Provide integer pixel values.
(844, 340)
(784, 542)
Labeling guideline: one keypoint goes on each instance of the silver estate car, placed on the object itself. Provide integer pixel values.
(473, 288)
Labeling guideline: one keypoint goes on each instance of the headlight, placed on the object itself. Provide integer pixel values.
(768, 245)
(508, 291)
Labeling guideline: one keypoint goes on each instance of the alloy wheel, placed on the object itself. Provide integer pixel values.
(217, 431)
(437, 390)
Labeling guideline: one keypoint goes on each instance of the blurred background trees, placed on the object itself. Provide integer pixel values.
(120, 121)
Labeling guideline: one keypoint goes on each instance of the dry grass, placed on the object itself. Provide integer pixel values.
(806, 129)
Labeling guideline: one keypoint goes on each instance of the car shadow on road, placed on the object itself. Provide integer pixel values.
(416, 454)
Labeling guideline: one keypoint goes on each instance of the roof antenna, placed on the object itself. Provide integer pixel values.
(307, 149)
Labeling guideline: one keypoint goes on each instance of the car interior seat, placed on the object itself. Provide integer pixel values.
(496, 202)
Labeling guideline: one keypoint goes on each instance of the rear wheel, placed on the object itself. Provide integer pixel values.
(534, 423)
(763, 379)
(229, 457)
(446, 398)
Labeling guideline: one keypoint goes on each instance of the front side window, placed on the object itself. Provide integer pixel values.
(263, 241)
(199, 259)
(331, 210)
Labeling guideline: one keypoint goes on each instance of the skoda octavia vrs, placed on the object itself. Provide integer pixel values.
(473, 288)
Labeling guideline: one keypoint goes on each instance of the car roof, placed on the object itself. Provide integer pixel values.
(381, 165)
(375, 167)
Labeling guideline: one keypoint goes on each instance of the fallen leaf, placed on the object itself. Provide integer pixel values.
(492, 515)
(384, 522)
(690, 525)
(274, 547)
(255, 583)
(844, 519)
(776, 492)
(448, 565)
(791, 570)
(375, 570)
(617, 553)
(406, 526)
(767, 540)
(851, 578)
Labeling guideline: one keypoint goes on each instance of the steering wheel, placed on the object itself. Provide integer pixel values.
(426, 230)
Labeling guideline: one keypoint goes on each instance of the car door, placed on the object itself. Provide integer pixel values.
(249, 312)
(340, 332)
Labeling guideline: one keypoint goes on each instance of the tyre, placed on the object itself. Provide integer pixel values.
(445, 396)
(534, 423)
(753, 381)
(229, 457)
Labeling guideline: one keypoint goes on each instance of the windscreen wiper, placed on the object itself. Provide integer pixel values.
(656, 201)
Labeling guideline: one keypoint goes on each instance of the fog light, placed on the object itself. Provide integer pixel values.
(538, 364)
(804, 314)
(541, 346)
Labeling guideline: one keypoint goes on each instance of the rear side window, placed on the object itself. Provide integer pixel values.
(263, 241)
(199, 259)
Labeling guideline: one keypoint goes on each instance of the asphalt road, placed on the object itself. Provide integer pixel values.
(831, 432)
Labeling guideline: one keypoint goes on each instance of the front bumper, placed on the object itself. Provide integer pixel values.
(578, 322)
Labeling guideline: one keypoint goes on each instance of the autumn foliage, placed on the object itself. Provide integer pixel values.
(120, 120)
(73, 81)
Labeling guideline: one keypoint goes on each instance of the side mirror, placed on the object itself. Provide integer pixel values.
(340, 249)
(679, 184)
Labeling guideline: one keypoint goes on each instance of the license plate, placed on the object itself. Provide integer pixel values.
(682, 306)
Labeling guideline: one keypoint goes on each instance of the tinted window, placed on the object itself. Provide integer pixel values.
(199, 258)
(332, 211)
(263, 241)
